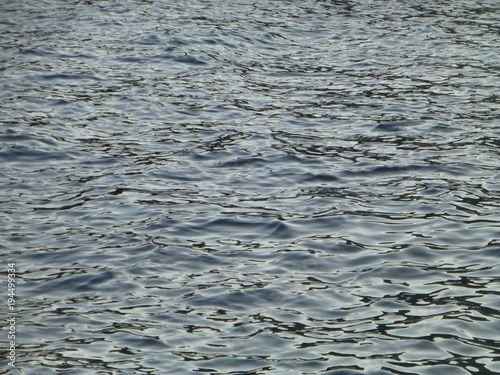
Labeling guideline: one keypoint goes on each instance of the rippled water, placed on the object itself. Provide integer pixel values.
(252, 187)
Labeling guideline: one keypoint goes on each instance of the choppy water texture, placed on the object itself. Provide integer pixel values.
(252, 187)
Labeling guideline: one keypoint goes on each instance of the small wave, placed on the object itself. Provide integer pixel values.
(29, 155)
(53, 77)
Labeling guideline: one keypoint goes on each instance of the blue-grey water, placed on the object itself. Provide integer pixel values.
(251, 187)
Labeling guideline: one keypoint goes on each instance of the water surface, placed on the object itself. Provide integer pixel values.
(252, 187)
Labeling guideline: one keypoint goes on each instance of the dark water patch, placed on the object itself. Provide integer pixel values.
(29, 140)
(318, 178)
(161, 59)
(247, 162)
(411, 169)
(397, 125)
(48, 52)
(242, 229)
(61, 76)
(26, 155)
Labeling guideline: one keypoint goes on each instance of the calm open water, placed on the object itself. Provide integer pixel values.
(251, 187)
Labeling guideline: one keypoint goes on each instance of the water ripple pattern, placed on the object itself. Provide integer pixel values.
(252, 187)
